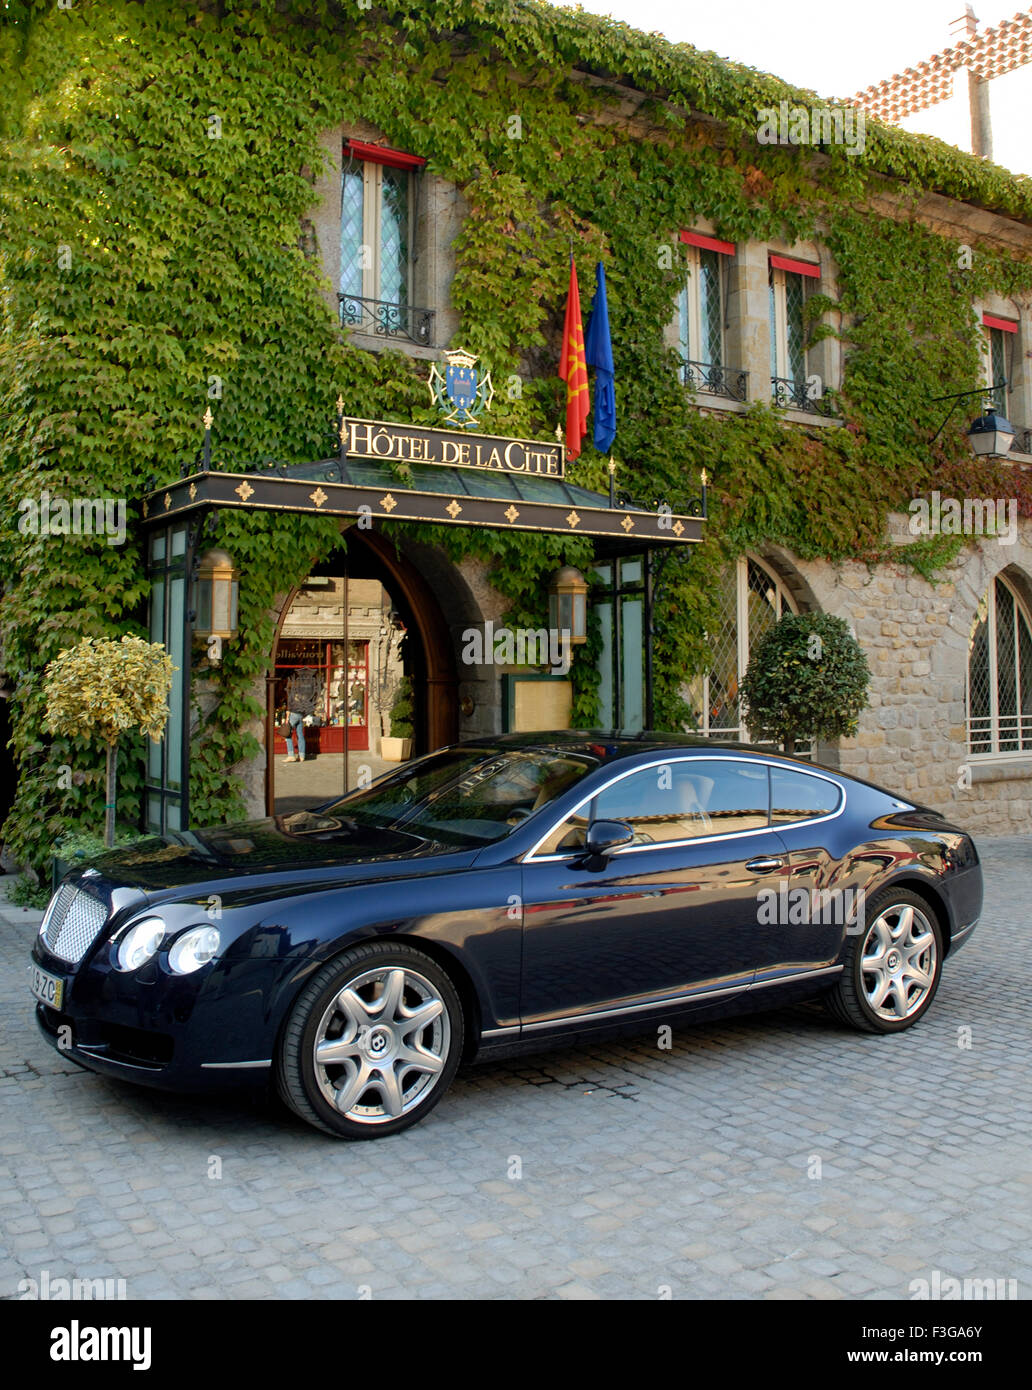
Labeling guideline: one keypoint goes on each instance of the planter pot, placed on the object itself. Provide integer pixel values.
(395, 750)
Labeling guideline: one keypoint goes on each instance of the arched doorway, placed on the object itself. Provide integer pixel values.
(337, 640)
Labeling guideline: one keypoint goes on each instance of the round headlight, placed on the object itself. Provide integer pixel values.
(193, 949)
(140, 943)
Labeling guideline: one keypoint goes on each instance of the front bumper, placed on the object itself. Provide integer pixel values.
(205, 1031)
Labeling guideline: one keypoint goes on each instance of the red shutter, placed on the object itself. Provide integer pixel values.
(796, 267)
(381, 154)
(1007, 325)
(708, 243)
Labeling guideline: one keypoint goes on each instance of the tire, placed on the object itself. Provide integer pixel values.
(893, 965)
(380, 1072)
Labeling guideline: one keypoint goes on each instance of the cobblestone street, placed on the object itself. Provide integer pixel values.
(779, 1157)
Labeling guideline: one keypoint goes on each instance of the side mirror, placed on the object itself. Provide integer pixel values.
(605, 835)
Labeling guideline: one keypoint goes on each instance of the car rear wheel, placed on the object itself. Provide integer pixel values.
(893, 965)
(372, 1043)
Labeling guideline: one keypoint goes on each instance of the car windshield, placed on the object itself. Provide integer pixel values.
(465, 796)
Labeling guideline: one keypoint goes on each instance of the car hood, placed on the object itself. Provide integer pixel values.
(285, 847)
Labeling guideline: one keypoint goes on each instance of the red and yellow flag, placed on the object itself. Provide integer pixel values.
(574, 370)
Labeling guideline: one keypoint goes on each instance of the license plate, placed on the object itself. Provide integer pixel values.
(48, 989)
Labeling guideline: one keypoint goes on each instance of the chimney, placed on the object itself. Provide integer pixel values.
(965, 27)
(963, 30)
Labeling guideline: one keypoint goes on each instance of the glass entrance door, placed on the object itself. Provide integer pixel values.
(337, 670)
(622, 695)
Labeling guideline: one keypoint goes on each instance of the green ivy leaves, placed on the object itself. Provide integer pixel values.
(148, 249)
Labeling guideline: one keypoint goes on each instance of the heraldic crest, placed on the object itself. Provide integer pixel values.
(462, 392)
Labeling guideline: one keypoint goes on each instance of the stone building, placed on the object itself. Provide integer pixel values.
(950, 720)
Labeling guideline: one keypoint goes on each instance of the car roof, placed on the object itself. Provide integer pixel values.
(611, 744)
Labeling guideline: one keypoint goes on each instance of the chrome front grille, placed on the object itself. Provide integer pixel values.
(72, 922)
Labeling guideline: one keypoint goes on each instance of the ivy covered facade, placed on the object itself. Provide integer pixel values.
(183, 193)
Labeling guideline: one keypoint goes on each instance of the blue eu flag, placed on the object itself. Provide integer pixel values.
(599, 354)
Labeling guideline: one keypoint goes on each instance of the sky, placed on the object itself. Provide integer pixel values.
(836, 51)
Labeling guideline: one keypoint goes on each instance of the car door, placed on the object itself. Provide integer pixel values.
(803, 929)
(672, 914)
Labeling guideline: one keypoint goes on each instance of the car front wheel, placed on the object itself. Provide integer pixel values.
(892, 967)
(372, 1043)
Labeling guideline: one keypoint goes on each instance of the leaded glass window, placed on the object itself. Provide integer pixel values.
(997, 366)
(700, 309)
(787, 296)
(751, 599)
(999, 701)
(375, 233)
(394, 235)
(352, 231)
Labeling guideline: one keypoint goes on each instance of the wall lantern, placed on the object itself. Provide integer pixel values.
(991, 434)
(568, 603)
(217, 592)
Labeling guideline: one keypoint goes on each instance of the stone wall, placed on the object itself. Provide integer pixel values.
(916, 635)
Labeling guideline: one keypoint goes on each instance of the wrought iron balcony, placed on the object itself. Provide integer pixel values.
(788, 394)
(386, 319)
(1022, 442)
(706, 379)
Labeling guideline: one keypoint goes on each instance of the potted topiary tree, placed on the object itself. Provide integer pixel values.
(104, 689)
(807, 680)
(397, 747)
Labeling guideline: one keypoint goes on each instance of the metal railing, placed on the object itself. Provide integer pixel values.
(706, 379)
(1022, 442)
(788, 394)
(386, 319)
(1008, 733)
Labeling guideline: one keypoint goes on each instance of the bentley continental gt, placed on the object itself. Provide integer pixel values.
(501, 895)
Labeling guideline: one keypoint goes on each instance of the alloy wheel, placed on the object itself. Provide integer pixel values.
(381, 1045)
(898, 962)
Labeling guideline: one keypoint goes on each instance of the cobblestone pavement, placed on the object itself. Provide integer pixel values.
(779, 1157)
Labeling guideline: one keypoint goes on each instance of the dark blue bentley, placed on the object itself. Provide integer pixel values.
(495, 896)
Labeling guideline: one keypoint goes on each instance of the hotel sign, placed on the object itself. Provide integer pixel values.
(384, 441)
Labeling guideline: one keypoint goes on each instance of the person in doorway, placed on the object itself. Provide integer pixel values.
(302, 697)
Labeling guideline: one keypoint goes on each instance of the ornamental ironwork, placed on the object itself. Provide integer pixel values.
(788, 393)
(387, 319)
(708, 379)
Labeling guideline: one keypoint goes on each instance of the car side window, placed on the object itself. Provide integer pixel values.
(796, 796)
(678, 800)
(567, 837)
(687, 799)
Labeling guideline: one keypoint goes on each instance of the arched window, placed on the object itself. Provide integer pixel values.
(752, 599)
(999, 694)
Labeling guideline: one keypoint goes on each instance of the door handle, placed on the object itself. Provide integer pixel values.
(764, 866)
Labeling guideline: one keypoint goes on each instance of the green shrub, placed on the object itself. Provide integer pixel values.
(807, 679)
(26, 892)
(403, 711)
